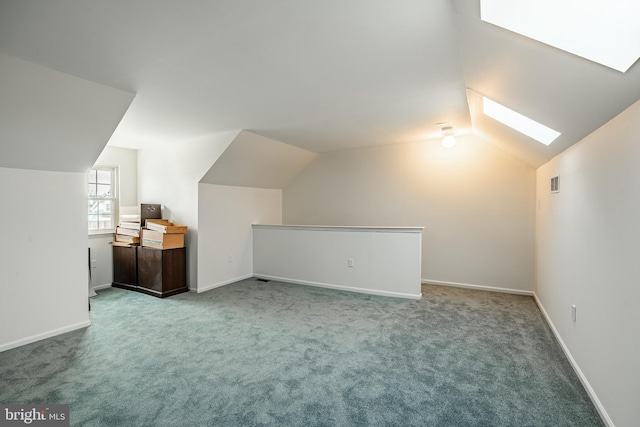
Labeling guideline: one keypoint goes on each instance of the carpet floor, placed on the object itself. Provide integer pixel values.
(276, 354)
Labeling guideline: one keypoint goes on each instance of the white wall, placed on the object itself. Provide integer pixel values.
(101, 250)
(225, 244)
(587, 251)
(43, 257)
(169, 175)
(477, 205)
(379, 261)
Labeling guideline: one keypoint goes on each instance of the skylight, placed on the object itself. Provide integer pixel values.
(606, 32)
(517, 121)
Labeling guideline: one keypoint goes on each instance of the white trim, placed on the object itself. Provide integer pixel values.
(477, 287)
(97, 234)
(583, 379)
(341, 228)
(44, 335)
(220, 284)
(340, 287)
(99, 287)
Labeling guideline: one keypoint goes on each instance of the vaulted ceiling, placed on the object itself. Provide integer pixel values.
(319, 75)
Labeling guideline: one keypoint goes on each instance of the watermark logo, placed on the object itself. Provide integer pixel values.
(34, 415)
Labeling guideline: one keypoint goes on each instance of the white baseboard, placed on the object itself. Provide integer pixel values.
(220, 284)
(99, 287)
(340, 287)
(477, 287)
(592, 394)
(45, 335)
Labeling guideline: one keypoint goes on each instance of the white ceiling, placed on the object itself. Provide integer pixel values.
(319, 75)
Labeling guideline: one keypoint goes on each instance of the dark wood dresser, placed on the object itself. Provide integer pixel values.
(157, 272)
(125, 266)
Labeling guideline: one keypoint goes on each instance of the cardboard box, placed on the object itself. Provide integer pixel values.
(128, 231)
(159, 240)
(127, 239)
(164, 226)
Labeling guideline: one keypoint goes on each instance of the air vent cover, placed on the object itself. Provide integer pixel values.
(555, 184)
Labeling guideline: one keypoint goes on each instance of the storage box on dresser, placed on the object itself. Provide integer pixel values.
(163, 234)
(160, 240)
(158, 267)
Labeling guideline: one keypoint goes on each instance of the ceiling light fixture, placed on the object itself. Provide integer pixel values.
(449, 140)
(517, 121)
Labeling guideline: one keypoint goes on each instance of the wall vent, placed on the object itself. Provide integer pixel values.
(555, 184)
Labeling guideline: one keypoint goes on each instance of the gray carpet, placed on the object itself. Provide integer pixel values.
(275, 354)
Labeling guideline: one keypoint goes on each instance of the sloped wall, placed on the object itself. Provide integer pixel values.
(54, 121)
(255, 161)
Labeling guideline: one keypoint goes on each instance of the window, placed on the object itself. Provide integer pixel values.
(517, 121)
(101, 186)
(606, 32)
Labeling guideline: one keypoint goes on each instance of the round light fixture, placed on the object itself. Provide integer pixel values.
(449, 140)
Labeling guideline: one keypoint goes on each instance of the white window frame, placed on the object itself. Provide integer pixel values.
(113, 197)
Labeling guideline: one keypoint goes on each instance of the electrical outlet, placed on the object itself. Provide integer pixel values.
(351, 263)
(93, 263)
